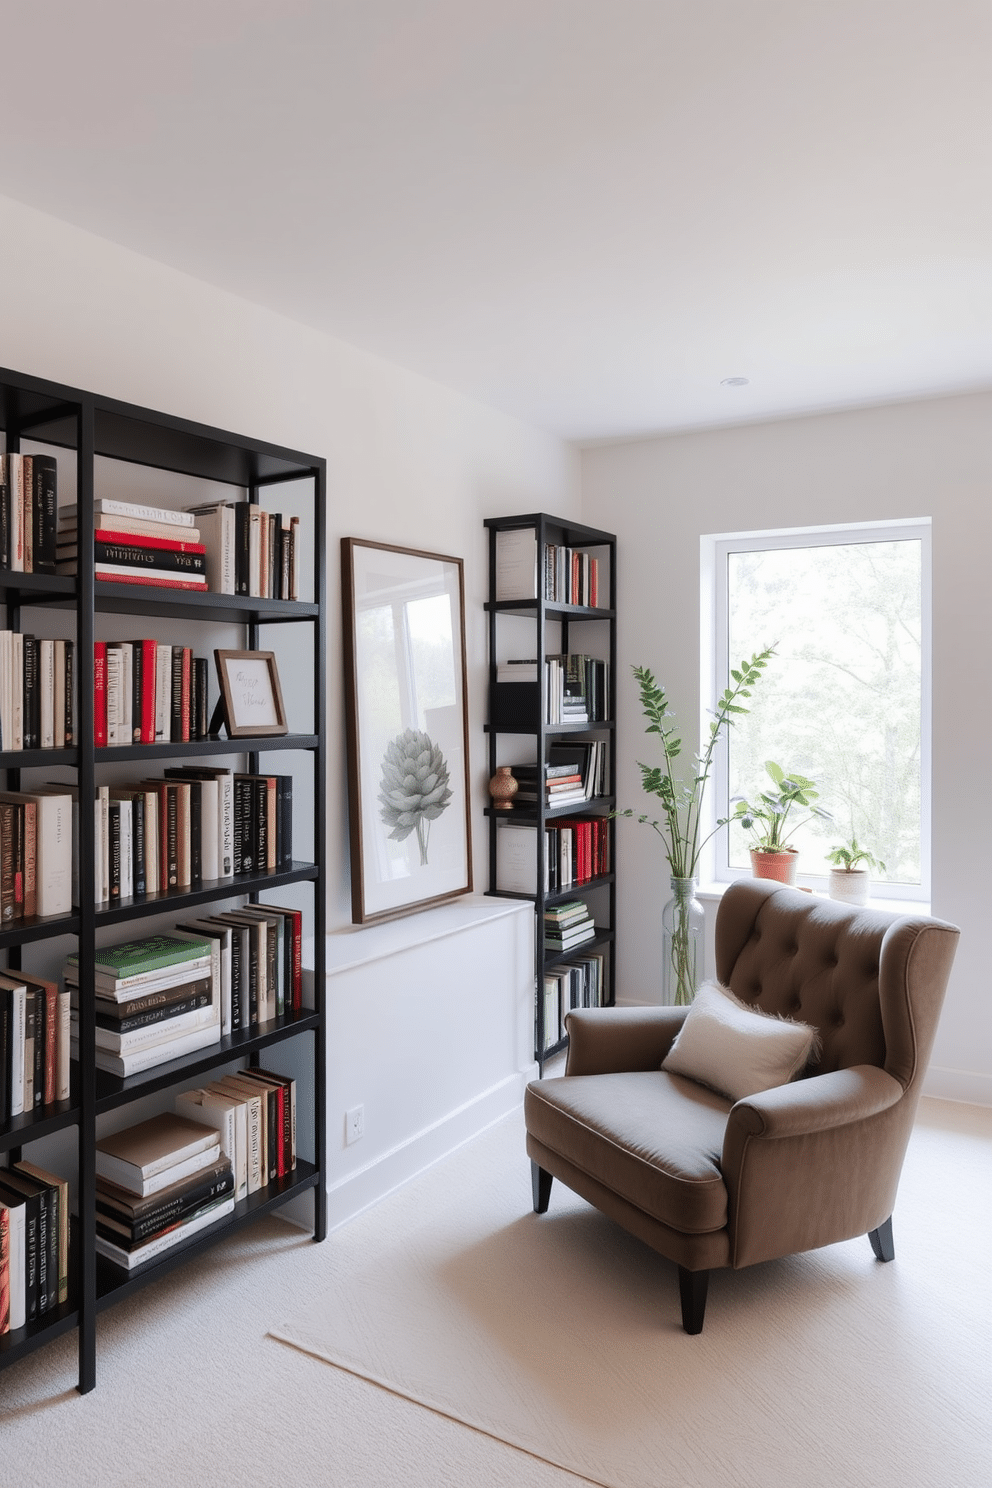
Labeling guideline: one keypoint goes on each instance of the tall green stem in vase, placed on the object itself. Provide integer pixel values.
(679, 826)
(682, 930)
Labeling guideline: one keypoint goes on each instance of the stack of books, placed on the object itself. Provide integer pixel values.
(34, 1244)
(34, 1044)
(574, 984)
(254, 1112)
(249, 550)
(36, 692)
(28, 505)
(257, 962)
(147, 692)
(567, 925)
(155, 1001)
(136, 544)
(157, 1184)
(562, 784)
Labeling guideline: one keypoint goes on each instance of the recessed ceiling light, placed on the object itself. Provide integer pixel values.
(734, 381)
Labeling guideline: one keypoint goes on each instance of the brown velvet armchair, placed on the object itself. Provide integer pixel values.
(710, 1183)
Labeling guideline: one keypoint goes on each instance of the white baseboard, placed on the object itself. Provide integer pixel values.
(391, 1170)
(958, 1085)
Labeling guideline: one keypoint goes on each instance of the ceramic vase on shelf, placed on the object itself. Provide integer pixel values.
(682, 929)
(503, 787)
(779, 865)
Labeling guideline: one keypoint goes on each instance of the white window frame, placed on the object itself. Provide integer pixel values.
(714, 673)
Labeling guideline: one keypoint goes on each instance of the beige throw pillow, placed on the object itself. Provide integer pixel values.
(735, 1049)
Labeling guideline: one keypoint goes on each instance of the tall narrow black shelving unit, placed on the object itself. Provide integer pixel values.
(518, 711)
(87, 427)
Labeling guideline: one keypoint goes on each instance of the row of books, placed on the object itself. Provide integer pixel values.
(28, 505)
(135, 544)
(572, 984)
(566, 575)
(37, 689)
(575, 686)
(571, 576)
(250, 551)
(36, 852)
(147, 692)
(196, 824)
(567, 926)
(576, 850)
(34, 1244)
(34, 1044)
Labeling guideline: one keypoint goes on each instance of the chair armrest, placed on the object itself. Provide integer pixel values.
(813, 1162)
(815, 1104)
(606, 1041)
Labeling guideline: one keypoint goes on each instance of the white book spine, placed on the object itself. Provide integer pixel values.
(134, 509)
(226, 807)
(127, 849)
(17, 689)
(62, 1043)
(59, 665)
(54, 854)
(153, 1035)
(143, 1059)
(19, 1013)
(15, 485)
(163, 692)
(201, 1105)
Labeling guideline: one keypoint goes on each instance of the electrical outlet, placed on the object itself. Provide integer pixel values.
(354, 1124)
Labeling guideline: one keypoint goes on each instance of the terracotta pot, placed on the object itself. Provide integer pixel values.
(778, 865)
(849, 885)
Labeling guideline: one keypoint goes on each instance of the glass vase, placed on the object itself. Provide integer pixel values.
(682, 928)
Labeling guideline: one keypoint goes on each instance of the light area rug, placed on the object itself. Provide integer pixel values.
(561, 1335)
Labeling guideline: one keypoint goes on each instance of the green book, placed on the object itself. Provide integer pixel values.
(152, 953)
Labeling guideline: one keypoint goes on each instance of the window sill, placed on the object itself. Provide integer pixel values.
(714, 892)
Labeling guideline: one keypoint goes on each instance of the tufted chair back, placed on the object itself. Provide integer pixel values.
(863, 977)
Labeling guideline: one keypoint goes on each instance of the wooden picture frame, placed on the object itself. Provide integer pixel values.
(407, 724)
(250, 695)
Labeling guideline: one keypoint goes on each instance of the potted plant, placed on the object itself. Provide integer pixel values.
(848, 882)
(765, 819)
(679, 825)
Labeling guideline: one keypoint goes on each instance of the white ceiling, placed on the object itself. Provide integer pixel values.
(586, 212)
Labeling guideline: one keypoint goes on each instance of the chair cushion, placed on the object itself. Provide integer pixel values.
(735, 1049)
(652, 1137)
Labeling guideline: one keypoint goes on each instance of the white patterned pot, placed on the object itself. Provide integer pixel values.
(849, 885)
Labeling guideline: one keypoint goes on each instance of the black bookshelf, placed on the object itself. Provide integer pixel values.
(82, 426)
(517, 713)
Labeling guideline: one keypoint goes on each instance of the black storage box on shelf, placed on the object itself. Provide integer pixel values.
(513, 706)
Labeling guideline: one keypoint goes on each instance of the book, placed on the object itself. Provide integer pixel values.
(107, 573)
(228, 1117)
(216, 523)
(516, 564)
(138, 1155)
(130, 1260)
(132, 959)
(106, 506)
(124, 1065)
(60, 1220)
(186, 559)
(43, 1235)
(143, 1217)
(24, 1208)
(12, 1217)
(67, 534)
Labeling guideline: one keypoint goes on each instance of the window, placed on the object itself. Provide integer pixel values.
(846, 699)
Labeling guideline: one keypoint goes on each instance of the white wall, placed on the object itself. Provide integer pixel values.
(409, 462)
(929, 458)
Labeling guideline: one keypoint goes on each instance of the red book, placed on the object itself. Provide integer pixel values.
(142, 540)
(117, 577)
(594, 582)
(148, 660)
(99, 693)
(51, 1038)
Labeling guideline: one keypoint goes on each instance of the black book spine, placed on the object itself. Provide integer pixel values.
(284, 813)
(176, 720)
(70, 688)
(32, 695)
(151, 1016)
(156, 560)
(285, 554)
(274, 1131)
(237, 1020)
(242, 545)
(252, 979)
(138, 846)
(44, 1251)
(200, 673)
(173, 1211)
(45, 512)
(195, 836)
(114, 849)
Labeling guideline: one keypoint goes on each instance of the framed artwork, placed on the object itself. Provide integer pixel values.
(407, 722)
(251, 698)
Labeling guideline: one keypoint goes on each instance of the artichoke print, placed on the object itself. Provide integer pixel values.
(414, 789)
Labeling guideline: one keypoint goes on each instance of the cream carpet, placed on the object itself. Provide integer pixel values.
(561, 1335)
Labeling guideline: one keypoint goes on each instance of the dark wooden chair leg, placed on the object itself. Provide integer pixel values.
(541, 1184)
(692, 1290)
(882, 1243)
